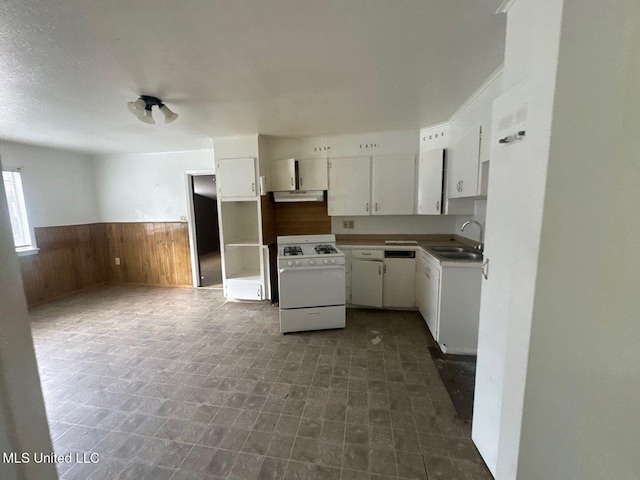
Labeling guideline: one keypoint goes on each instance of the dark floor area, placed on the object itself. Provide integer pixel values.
(458, 373)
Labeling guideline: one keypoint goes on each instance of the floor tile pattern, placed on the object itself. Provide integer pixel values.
(178, 384)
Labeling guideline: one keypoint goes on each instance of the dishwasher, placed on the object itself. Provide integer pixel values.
(399, 282)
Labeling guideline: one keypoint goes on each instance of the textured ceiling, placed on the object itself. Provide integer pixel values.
(296, 67)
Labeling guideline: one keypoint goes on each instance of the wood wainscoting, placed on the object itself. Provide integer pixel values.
(77, 257)
(71, 258)
(302, 218)
(150, 253)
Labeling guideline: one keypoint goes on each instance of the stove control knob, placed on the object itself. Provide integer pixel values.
(325, 261)
(297, 262)
(333, 260)
(289, 263)
(312, 262)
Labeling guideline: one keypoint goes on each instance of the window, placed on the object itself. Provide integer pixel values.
(17, 209)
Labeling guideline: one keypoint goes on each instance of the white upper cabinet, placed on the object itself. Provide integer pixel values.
(393, 184)
(312, 174)
(463, 164)
(349, 180)
(236, 177)
(430, 171)
(283, 175)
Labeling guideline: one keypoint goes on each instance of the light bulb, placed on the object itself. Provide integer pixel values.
(169, 116)
(147, 117)
(137, 107)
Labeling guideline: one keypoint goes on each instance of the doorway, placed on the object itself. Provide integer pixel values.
(204, 230)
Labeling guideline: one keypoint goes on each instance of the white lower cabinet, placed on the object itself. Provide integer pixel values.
(399, 283)
(448, 298)
(244, 289)
(367, 278)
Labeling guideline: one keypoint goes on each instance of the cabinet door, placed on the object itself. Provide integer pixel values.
(430, 169)
(393, 184)
(366, 283)
(463, 163)
(399, 286)
(349, 192)
(283, 175)
(312, 174)
(432, 299)
(242, 290)
(236, 177)
(421, 285)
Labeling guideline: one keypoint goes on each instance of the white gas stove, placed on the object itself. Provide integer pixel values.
(311, 283)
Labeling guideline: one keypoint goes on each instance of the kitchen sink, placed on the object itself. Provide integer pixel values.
(464, 255)
(450, 249)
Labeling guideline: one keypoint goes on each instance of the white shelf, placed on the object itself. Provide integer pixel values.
(240, 199)
(248, 276)
(248, 243)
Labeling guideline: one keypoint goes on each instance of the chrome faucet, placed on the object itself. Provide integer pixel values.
(480, 245)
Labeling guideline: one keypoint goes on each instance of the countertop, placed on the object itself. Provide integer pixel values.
(422, 241)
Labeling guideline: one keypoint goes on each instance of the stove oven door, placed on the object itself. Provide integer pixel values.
(319, 286)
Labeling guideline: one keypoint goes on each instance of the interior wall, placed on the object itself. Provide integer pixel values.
(479, 215)
(59, 185)
(71, 258)
(23, 420)
(582, 387)
(400, 224)
(147, 187)
(302, 218)
(517, 180)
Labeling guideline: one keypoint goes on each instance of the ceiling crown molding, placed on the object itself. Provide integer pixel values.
(505, 6)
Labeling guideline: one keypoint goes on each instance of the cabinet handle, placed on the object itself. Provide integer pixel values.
(485, 269)
(384, 268)
(258, 292)
(253, 187)
(438, 206)
(300, 181)
(379, 269)
(427, 272)
(292, 181)
(366, 206)
(376, 206)
(462, 185)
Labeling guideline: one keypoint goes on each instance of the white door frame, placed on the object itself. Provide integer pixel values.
(191, 222)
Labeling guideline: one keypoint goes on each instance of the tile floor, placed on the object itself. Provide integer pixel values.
(177, 384)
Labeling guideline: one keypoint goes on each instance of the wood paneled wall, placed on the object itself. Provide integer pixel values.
(76, 257)
(302, 218)
(71, 258)
(150, 253)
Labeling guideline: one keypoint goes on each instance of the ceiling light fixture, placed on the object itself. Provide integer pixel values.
(141, 108)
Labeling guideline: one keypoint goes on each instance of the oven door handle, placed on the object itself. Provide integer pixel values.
(307, 269)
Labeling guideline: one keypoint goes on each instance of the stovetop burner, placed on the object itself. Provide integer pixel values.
(292, 251)
(325, 249)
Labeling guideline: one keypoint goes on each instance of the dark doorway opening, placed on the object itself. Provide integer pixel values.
(205, 210)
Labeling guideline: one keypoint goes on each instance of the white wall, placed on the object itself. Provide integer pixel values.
(59, 185)
(517, 179)
(580, 416)
(401, 224)
(23, 421)
(146, 187)
(479, 215)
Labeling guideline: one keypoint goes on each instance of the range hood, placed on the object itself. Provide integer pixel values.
(299, 196)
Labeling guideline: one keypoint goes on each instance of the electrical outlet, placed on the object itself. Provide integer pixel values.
(345, 224)
(351, 223)
(117, 260)
(183, 218)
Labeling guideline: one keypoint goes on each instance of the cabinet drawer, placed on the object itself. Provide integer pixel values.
(371, 254)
